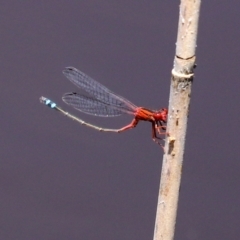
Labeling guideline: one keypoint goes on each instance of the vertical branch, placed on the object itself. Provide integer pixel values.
(180, 93)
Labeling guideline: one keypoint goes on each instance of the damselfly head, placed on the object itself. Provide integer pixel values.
(161, 114)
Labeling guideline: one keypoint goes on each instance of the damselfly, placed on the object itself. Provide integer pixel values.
(100, 101)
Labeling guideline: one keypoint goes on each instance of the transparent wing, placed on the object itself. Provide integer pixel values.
(90, 105)
(98, 91)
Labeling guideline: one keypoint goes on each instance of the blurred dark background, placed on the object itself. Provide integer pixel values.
(60, 180)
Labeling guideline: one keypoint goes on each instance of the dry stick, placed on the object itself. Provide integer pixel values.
(180, 92)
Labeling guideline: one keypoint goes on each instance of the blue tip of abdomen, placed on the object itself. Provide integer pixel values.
(48, 102)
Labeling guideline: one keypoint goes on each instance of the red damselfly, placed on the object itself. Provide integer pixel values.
(100, 101)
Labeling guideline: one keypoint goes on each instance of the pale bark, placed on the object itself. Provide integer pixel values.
(180, 93)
